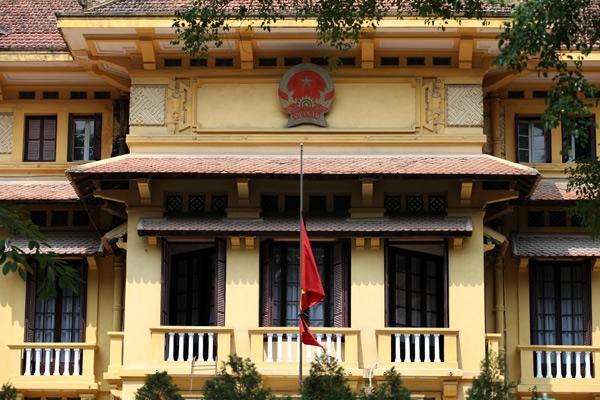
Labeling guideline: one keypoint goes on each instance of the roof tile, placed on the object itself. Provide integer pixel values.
(37, 191)
(555, 245)
(550, 190)
(67, 244)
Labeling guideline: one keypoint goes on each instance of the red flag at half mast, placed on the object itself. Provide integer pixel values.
(310, 284)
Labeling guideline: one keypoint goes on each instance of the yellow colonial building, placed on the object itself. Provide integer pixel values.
(434, 199)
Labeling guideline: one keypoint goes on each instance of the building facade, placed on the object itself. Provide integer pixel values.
(435, 201)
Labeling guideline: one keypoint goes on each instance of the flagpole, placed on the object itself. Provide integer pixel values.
(300, 267)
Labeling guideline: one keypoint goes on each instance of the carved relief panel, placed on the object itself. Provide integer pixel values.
(147, 105)
(434, 98)
(180, 106)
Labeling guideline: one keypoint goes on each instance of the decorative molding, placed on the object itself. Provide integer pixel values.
(434, 105)
(180, 105)
(147, 105)
(6, 133)
(464, 105)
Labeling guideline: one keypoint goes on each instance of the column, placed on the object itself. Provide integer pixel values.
(117, 324)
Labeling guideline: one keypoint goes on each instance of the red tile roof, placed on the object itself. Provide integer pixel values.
(31, 25)
(67, 244)
(409, 225)
(37, 191)
(550, 190)
(555, 245)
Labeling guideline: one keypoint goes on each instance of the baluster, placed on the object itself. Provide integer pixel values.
(269, 347)
(66, 362)
(27, 362)
(569, 369)
(588, 365)
(397, 347)
(280, 347)
(538, 360)
(48, 353)
(171, 336)
(427, 357)
(328, 344)
(308, 353)
(56, 362)
(290, 337)
(181, 341)
(558, 364)
(338, 347)
(407, 348)
(76, 370)
(578, 364)
(548, 365)
(211, 341)
(201, 352)
(319, 350)
(417, 338)
(190, 352)
(298, 342)
(436, 348)
(38, 362)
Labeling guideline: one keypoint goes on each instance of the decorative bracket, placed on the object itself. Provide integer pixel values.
(367, 185)
(457, 242)
(144, 190)
(243, 190)
(92, 262)
(152, 241)
(242, 242)
(466, 193)
(362, 243)
(465, 53)
(596, 264)
(523, 264)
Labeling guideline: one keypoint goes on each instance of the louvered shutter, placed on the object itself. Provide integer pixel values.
(340, 285)
(266, 290)
(165, 283)
(70, 155)
(97, 142)
(220, 271)
(30, 298)
(49, 139)
(34, 133)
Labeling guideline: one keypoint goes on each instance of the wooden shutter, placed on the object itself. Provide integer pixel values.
(33, 140)
(220, 271)
(340, 285)
(30, 298)
(97, 142)
(266, 289)
(165, 283)
(49, 139)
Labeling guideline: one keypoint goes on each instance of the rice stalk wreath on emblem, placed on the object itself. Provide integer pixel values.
(306, 93)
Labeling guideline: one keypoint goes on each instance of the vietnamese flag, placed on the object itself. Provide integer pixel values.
(310, 283)
(306, 336)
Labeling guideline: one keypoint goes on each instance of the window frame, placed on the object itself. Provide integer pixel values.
(95, 139)
(41, 140)
(530, 121)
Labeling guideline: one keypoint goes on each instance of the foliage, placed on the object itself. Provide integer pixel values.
(585, 181)
(237, 379)
(13, 223)
(326, 381)
(490, 383)
(390, 389)
(158, 386)
(550, 37)
(8, 392)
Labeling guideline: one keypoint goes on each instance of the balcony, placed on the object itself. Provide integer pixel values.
(559, 368)
(419, 351)
(53, 366)
(277, 348)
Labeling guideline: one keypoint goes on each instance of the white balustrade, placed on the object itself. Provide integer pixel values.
(285, 347)
(188, 346)
(52, 362)
(562, 364)
(417, 348)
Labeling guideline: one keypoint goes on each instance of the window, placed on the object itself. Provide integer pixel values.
(416, 276)
(40, 138)
(85, 138)
(280, 282)
(55, 319)
(533, 144)
(579, 148)
(560, 303)
(317, 204)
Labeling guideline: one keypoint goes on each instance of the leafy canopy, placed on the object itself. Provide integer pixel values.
(550, 37)
(158, 386)
(53, 273)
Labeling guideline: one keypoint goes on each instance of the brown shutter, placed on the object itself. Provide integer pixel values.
(340, 286)
(97, 136)
(33, 140)
(533, 329)
(49, 139)
(220, 271)
(165, 283)
(266, 293)
(30, 298)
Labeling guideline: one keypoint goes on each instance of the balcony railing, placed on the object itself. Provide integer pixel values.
(279, 345)
(184, 344)
(558, 362)
(416, 348)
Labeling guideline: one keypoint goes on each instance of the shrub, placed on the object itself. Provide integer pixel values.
(390, 389)
(237, 379)
(326, 381)
(490, 383)
(8, 392)
(158, 386)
